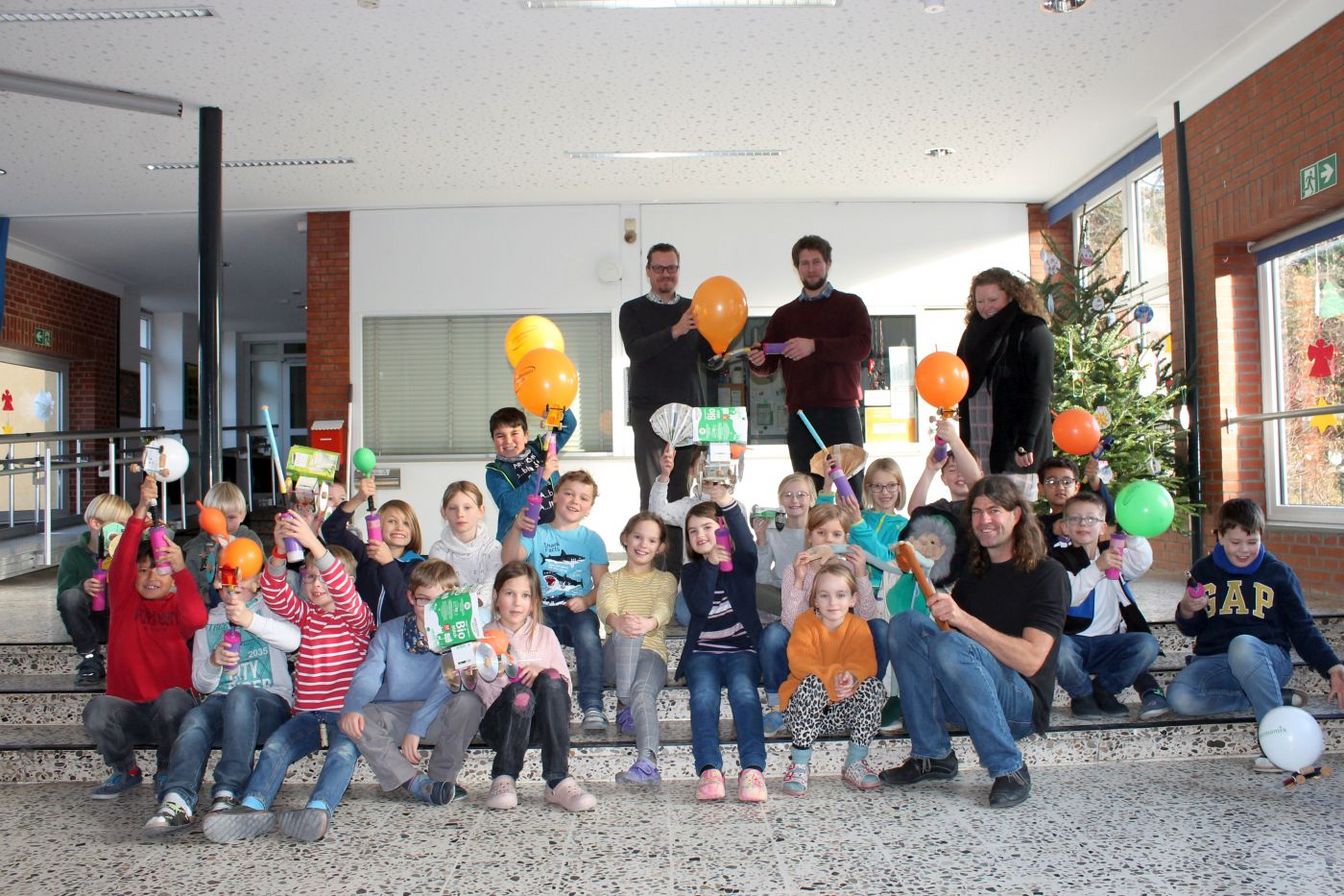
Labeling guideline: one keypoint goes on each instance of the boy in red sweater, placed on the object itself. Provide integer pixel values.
(152, 616)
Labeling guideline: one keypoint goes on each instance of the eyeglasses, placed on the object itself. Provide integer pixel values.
(892, 487)
(793, 496)
(664, 268)
(1084, 520)
(1061, 480)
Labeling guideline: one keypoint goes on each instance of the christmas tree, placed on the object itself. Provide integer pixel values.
(1106, 364)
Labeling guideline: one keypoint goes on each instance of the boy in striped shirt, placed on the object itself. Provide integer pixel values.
(335, 625)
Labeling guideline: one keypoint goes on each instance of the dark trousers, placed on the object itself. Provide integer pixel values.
(836, 426)
(117, 725)
(86, 627)
(522, 716)
(648, 449)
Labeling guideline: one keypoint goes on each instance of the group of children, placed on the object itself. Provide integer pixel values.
(365, 682)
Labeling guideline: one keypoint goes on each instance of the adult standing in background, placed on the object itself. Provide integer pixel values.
(1010, 354)
(826, 336)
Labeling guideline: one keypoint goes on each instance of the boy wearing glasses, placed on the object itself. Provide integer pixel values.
(1060, 481)
(1106, 645)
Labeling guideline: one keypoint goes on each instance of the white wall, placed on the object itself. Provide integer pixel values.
(902, 258)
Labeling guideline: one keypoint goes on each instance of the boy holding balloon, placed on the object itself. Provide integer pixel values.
(522, 468)
(1244, 607)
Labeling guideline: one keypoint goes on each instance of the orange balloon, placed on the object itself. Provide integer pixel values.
(531, 332)
(720, 308)
(211, 520)
(1076, 431)
(497, 639)
(942, 379)
(545, 378)
(243, 555)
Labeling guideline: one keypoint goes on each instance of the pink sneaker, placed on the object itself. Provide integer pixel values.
(711, 785)
(750, 786)
(570, 796)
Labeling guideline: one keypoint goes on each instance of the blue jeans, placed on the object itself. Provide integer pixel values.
(293, 740)
(948, 677)
(1116, 660)
(706, 675)
(579, 630)
(681, 612)
(238, 720)
(1251, 673)
(774, 648)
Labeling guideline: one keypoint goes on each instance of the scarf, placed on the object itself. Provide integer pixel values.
(411, 637)
(983, 343)
(476, 561)
(1223, 562)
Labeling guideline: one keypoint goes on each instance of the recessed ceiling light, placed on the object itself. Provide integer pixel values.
(253, 163)
(3, 172)
(111, 15)
(673, 154)
(934, 6)
(673, 4)
(1061, 5)
(939, 152)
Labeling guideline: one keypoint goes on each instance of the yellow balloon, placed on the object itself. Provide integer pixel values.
(531, 332)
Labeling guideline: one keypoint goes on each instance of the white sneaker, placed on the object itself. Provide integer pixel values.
(570, 796)
(503, 795)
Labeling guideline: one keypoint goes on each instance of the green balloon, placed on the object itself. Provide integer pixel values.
(1144, 508)
(365, 461)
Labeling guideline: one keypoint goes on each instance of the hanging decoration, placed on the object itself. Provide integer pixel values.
(1322, 422)
(44, 403)
(1085, 256)
(1050, 261)
(1322, 356)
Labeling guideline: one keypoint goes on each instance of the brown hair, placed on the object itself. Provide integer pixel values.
(834, 568)
(644, 516)
(889, 466)
(462, 486)
(816, 244)
(433, 573)
(516, 569)
(1240, 513)
(580, 476)
(1028, 541)
(344, 557)
(1015, 288)
(1086, 497)
(405, 509)
(820, 514)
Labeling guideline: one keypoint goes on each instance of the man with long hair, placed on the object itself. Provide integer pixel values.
(985, 661)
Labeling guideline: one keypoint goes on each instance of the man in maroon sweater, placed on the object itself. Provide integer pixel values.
(826, 336)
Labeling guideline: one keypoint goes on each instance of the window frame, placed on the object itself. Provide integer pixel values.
(1154, 289)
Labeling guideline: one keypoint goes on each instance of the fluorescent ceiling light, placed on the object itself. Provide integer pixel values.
(253, 163)
(51, 88)
(673, 154)
(110, 15)
(672, 4)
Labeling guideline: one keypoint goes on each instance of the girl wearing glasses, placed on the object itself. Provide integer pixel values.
(778, 544)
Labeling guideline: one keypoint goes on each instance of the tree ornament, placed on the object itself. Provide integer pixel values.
(1050, 261)
(1098, 304)
(1103, 415)
(1336, 458)
(1322, 355)
(1085, 257)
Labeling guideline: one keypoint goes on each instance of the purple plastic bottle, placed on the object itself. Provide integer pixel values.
(1117, 542)
(842, 487)
(721, 536)
(534, 508)
(293, 550)
(232, 640)
(158, 542)
(373, 524)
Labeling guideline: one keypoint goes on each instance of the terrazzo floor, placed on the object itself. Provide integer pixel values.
(1114, 828)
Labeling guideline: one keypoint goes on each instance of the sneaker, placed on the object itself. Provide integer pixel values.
(1010, 789)
(773, 722)
(795, 779)
(116, 784)
(172, 818)
(891, 715)
(436, 793)
(90, 671)
(860, 776)
(1262, 764)
(711, 785)
(570, 796)
(594, 720)
(642, 772)
(625, 720)
(232, 825)
(1108, 705)
(304, 825)
(503, 795)
(1154, 705)
(750, 786)
(1294, 697)
(1085, 707)
(916, 769)
(225, 801)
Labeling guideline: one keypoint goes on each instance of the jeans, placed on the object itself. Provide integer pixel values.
(1116, 660)
(835, 426)
(117, 725)
(706, 675)
(681, 612)
(521, 716)
(579, 630)
(1251, 673)
(774, 648)
(238, 720)
(86, 627)
(297, 738)
(948, 677)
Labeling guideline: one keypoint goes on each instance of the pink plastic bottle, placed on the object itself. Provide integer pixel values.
(373, 524)
(158, 542)
(99, 601)
(232, 640)
(721, 536)
(534, 508)
(1117, 542)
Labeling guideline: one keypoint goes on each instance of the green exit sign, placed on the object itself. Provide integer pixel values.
(42, 337)
(1319, 176)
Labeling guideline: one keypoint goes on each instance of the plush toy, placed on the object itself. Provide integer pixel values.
(934, 538)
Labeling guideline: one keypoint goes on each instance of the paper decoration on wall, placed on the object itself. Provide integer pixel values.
(1322, 422)
(43, 405)
(1322, 356)
(1050, 261)
(6, 401)
(1336, 458)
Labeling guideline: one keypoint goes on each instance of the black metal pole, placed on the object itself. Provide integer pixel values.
(1193, 472)
(210, 224)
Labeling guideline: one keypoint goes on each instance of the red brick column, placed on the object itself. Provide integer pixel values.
(328, 315)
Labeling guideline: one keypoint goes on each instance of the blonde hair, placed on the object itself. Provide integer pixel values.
(518, 569)
(107, 509)
(226, 497)
(822, 514)
(803, 479)
(463, 486)
(433, 573)
(837, 568)
(343, 556)
(890, 467)
(405, 509)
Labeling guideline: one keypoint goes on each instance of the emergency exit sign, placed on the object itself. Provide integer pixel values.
(42, 337)
(1319, 176)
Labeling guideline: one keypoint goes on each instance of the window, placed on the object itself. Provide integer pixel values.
(1305, 320)
(431, 383)
(146, 366)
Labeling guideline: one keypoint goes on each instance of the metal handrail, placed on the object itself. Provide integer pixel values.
(1283, 415)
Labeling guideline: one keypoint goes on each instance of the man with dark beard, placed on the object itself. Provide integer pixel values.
(826, 336)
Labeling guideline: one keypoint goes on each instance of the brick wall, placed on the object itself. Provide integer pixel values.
(328, 315)
(1244, 151)
(1061, 234)
(84, 325)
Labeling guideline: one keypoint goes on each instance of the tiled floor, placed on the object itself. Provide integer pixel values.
(1126, 828)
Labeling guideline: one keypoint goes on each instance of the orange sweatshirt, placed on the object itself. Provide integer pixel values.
(815, 650)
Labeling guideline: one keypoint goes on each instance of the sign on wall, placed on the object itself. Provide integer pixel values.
(1319, 176)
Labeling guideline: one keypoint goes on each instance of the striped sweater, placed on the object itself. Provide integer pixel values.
(334, 643)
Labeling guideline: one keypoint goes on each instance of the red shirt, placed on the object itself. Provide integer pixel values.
(829, 377)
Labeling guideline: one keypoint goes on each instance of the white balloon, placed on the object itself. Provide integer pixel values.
(166, 459)
(1291, 738)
